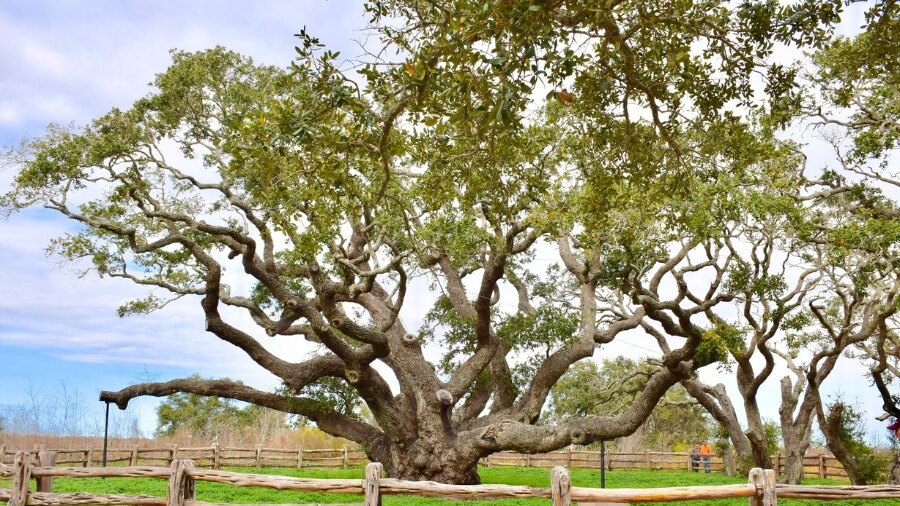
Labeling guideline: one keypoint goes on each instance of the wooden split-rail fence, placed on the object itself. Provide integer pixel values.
(761, 489)
(216, 456)
(820, 466)
(213, 456)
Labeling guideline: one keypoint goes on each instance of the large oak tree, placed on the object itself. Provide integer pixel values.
(477, 136)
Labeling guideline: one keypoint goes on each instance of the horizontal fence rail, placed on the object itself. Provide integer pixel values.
(814, 465)
(182, 475)
(215, 457)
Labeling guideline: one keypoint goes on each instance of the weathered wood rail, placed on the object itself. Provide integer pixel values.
(216, 456)
(213, 456)
(761, 490)
(814, 465)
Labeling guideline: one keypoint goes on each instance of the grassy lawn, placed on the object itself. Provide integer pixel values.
(215, 492)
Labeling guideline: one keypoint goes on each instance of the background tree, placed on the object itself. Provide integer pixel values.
(835, 300)
(209, 417)
(754, 259)
(450, 164)
(334, 395)
(676, 422)
(203, 417)
(854, 102)
(865, 301)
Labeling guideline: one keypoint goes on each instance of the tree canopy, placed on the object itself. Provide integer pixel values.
(633, 142)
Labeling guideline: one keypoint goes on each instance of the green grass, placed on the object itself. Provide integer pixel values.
(535, 477)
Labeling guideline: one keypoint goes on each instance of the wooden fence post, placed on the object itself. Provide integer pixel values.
(300, 457)
(648, 461)
(2, 452)
(569, 460)
(822, 473)
(181, 486)
(174, 454)
(764, 480)
(258, 456)
(134, 456)
(90, 457)
(560, 484)
(527, 460)
(21, 473)
(46, 459)
(345, 460)
(215, 449)
(373, 474)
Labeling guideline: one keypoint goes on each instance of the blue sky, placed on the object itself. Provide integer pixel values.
(68, 62)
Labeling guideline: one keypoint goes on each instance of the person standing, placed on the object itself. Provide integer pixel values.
(695, 458)
(706, 454)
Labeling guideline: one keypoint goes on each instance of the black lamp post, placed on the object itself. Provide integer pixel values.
(105, 433)
(602, 463)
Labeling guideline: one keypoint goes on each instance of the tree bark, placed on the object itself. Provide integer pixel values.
(796, 442)
(728, 459)
(795, 431)
(756, 435)
(749, 383)
(830, 426)
(716, 402)
(434, 457)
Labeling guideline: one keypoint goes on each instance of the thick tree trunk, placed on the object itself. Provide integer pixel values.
(728, 459)
(748, 385)
(427, 456)
(795, 446)
(434, 459)
(830, 426)
(756, 435)
(716, 402)
(760, 449)
(795, 432)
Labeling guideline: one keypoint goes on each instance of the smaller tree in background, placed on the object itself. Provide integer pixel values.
(211, 418)
(588, 389)
(331, 394)
(772, 432)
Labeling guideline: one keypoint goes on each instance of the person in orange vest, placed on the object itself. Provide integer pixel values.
(706, 454)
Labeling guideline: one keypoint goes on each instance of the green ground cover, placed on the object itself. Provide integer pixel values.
(535, 477)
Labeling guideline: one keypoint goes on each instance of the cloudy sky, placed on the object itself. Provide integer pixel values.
(68, 62)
